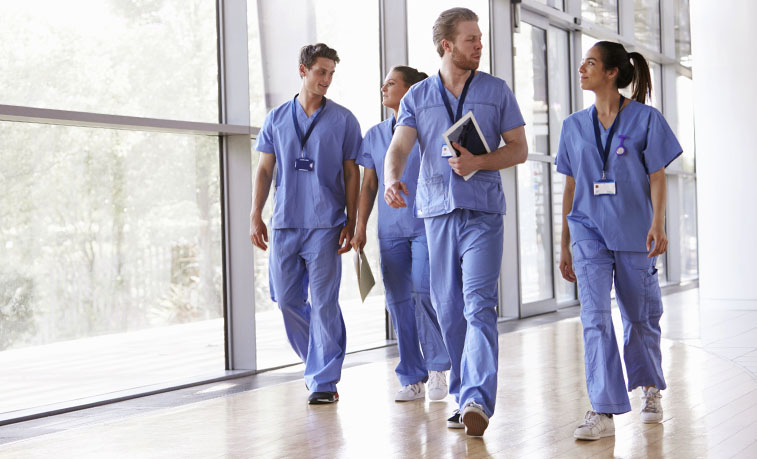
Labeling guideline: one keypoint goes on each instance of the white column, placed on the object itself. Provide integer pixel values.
(723, 37)
(239, 289)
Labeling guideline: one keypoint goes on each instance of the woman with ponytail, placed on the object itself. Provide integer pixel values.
(404, 255)
(614, 155)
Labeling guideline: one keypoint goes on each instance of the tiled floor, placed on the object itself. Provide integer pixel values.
(709, 351)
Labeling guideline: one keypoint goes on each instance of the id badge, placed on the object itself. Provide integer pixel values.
(304, 164)
(446, 152)
(604, 187)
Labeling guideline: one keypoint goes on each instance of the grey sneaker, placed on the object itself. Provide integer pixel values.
(437, 385)
(651, 408)
(474, 418)
(453, 422)
(595, 426)
(411, 392)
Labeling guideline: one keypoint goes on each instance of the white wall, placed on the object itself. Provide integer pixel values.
(725, 107)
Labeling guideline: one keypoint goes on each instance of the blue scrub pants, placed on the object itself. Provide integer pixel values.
(465, 249)
(316, 333)
(638, 295)
(405, 269)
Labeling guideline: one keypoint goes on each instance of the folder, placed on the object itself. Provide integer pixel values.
(466, 132)
(365, 279)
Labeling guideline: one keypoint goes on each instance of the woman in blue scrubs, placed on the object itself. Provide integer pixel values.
(614, 155)
(404, 255)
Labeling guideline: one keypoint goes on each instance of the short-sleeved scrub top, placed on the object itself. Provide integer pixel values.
(622, 220)
(392, 223)
(310, 199)
(440, 190)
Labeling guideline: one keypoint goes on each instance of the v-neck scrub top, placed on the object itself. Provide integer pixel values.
(440, 190)
(310, 199)
(622, 220)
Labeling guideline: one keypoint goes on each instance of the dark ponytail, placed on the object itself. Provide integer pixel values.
(614, 55)
(409, 75)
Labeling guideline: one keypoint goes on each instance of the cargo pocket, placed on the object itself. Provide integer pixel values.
(431, 196)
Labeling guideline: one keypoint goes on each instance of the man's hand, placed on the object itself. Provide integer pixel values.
(393, 197)
(657, 235)
(465, 163)
(345, 238)
(258, 232)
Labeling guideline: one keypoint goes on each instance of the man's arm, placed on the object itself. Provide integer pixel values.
(515, 151)
(263, 179)
(351, 189)
(396, 159)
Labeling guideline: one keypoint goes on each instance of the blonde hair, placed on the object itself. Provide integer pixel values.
(445, 26)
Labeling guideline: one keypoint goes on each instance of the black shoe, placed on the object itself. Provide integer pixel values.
(323, 398)
(454, 421)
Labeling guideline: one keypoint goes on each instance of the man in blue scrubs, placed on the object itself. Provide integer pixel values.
(463, 218)
(314, 143)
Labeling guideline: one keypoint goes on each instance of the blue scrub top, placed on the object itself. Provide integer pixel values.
(310, 199)
(440, 190)
(623, 220)
(392, 223)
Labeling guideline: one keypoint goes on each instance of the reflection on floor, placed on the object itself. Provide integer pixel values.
(102, 366)
(709, 351)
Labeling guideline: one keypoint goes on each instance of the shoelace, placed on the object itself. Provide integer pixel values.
(416, 388)
(650, 401)
(436, 380)
(591, 419)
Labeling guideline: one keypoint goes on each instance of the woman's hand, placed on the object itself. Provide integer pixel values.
(358, 241)
(566, 265)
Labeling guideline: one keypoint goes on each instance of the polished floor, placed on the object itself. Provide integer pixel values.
(710, 362)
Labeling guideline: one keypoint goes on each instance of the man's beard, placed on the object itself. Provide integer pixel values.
(462, 62)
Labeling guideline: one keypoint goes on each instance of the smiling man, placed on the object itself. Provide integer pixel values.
(463, 219)
(314, 142)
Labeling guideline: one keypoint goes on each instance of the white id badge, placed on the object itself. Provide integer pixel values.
(604, 187)
(446, 153)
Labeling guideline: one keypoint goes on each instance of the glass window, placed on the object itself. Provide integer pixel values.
(564, 290)
(683, 32)
(531, 85)
(111, 249)
(689, 258)
(274, 46)
(556, 4)
(601, 12)
(535, 231)
(421, 15)
(685, 122)
(153, 59)
(647, 23)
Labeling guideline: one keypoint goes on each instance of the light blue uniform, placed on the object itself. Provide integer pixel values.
(308, 215)
(464, 229)
(608, 234)
(404, 267)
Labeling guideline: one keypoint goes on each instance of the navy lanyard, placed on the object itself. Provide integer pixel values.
(605, 150)
(303, 140)
(394, 121)
(454, 118)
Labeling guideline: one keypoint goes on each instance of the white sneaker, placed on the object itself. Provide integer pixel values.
(651, 408)
(595, 426)
(411, 392)
(474, 418)
(437, 385)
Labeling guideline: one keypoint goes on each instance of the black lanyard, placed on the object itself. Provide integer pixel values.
(604, 151)
(454, 118)
(304, 140)
(394, 121)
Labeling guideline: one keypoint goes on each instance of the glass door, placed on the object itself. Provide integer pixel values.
(542, 88)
